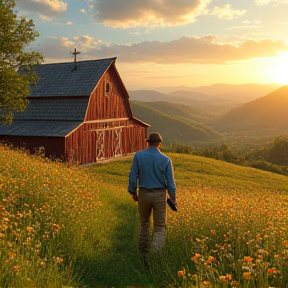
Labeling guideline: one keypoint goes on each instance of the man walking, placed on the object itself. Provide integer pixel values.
(152, 172)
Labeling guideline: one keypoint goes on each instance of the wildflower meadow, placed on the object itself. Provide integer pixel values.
(77, 226)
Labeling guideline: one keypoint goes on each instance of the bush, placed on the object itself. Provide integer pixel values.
(266, 166)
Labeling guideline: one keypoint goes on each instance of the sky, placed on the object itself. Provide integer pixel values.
(167, 42)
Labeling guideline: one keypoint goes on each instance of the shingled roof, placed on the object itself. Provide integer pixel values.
(39, 128)
(43, 117)
(60, 79)
(57, 109)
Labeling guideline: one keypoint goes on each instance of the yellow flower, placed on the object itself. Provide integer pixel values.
(206, 283)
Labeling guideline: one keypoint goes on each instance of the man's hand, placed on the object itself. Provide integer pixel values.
(134, 197)
(172, 204)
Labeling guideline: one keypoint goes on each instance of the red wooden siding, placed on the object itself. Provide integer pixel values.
(95, 141)
(54, 146)
(109, 105)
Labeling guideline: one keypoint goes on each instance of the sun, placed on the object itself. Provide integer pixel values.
(278, 69)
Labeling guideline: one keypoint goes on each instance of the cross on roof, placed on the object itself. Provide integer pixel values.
(75, 53)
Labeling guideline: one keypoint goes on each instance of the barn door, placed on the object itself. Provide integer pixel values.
(117, 139)
(100, 144)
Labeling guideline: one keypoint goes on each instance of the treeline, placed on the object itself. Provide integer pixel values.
(272, 157)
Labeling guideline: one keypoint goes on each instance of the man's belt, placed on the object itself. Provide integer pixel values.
(149, 189)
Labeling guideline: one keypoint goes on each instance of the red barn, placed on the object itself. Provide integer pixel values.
(78, 113)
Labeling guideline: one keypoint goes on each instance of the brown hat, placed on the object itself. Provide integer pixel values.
(154, 137)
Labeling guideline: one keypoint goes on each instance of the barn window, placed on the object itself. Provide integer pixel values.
(107, 88)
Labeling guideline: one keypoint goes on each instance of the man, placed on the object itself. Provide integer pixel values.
(153, 173)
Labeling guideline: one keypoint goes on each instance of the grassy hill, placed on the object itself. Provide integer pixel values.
(176, 123)
(268, 112)
(77, 227)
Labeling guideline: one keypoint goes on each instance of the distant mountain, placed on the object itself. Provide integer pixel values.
(268, 112)
(148, 96)
(184, 94)
(176, 123)
(238, 93)
(198, 100)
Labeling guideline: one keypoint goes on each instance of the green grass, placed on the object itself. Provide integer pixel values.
(77, 227)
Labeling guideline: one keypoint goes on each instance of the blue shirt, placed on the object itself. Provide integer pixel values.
(152, 169)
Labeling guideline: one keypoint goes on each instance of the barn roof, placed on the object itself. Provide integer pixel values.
(60, 79)
(70, 90)
(39, 128)
(57, 118)
(62, 109)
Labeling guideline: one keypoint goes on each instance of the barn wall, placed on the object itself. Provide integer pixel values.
(111, 104)
(95, 141)
(54, 146)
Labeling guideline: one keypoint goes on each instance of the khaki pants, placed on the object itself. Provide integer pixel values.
(151, 202)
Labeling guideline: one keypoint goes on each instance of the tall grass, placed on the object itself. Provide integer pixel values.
(77, 227)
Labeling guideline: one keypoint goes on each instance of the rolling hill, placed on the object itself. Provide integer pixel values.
(238, 93)
(176, 123)
(268, 112)
(217, 98)
(194, 99)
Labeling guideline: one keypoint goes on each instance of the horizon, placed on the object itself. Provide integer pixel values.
(200, 43)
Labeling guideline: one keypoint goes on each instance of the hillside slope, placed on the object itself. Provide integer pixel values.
(174, 128)
(192, 171)
(268, 112)
(78, 227)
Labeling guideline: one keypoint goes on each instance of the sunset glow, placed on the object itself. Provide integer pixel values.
(177, 43)
(279, 69)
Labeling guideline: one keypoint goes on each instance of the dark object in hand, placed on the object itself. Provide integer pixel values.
(135, 197)
(172, 205)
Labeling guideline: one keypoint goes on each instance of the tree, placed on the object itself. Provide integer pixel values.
(278, 151)
(16, 64)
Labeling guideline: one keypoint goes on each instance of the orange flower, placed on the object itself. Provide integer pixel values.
(181, 273)
(210, 259)
(206, 283)
(247, 275)
(30, 229)
(271, 270)
(195, 257)
(248, 259)
(225, 278)
(56, 227)
(16, 268)
(212, 232)
(234, 283)
(11, 254)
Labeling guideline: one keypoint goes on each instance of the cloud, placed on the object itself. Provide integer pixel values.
(274, 2)
(45, 18)
(185, 50)
(44, 7)
(226, 12)
(146, 13)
